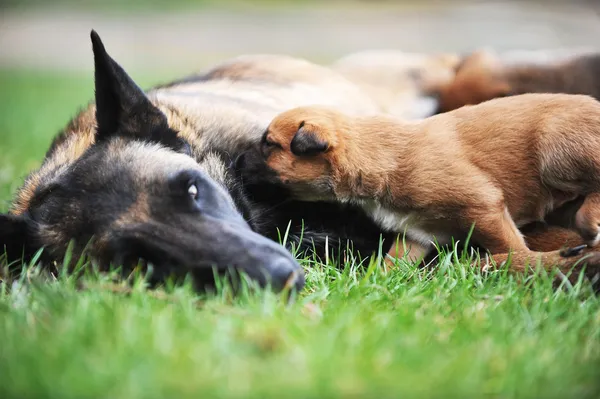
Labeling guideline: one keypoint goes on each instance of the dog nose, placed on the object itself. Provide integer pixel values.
(286, 274)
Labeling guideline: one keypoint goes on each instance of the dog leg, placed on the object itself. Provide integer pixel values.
(413, 251)
(570, 263)
(497, 232)
(546, 238)
(587, 219)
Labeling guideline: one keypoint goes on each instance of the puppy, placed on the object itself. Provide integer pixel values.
(495, 166)
(483, 76)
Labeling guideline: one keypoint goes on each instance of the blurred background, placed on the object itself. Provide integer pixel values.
(179, 35)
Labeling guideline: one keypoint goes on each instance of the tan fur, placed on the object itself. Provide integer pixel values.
(264, 86)
(499, 165)
(80, 137)
(484, 75)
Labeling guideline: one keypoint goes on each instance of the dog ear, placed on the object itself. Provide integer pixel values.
(122, 107)
(306, 142)
(17, 240)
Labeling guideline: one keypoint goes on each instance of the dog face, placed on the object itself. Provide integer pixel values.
(299, 149)
(478, 78)
(132, 192)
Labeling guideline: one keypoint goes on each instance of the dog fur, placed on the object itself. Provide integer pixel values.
(110, 179)
(399, 82)
(483, 76)
(434, 179)
(110, 194)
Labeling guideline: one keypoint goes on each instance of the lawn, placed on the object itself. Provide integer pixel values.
(356, 331)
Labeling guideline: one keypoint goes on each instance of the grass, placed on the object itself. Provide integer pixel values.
(356, 331)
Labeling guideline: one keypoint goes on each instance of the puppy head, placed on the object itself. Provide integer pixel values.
(478, 78)
(300, 147)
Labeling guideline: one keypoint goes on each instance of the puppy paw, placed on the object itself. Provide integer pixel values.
(581, 259)
(573, 251)
(570, 262)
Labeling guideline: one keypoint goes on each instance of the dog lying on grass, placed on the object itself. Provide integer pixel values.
(483, 76)
(496, 166)
(154, 176)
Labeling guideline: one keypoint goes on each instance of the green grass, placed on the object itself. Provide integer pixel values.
(355, 331)
(34, 107)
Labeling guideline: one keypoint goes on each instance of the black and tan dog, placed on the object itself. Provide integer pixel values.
(152, 176)
(436, 178)
(483, 75)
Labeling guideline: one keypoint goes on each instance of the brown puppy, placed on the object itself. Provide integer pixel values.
(483, 76)
(497, 165)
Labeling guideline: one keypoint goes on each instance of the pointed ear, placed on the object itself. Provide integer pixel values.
(17, 240)
(306, 142)
(122, 108)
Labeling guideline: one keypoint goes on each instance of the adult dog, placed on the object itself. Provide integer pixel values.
(152, 176)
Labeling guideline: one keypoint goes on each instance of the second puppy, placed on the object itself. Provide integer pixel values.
(483, 76)
(496, 165)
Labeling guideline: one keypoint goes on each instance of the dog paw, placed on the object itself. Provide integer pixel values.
(581, 259)
(573, 251)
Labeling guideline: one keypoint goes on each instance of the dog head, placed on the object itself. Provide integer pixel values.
(478, 78)
(123, 184)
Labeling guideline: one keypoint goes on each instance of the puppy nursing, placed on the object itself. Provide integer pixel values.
(495, 166)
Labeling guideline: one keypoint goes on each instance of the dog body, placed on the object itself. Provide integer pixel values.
(501, 165)
(397, 81)
(483, 76)
(151, 175)
(156, 176)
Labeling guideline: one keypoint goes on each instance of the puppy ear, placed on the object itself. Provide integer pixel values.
(306, 142)
(17, 240)
(122, 107)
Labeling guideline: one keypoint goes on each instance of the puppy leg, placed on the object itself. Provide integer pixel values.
(496, 231)
(571, 263)
(546, 238)
(413, 251)
(587, 219)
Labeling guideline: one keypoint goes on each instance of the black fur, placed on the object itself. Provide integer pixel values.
(119, 210)
(127, 214)
(307, 143)
(269, 208)
(122, 108)
(18, 238)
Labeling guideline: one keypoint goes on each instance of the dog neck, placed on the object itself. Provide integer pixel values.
(373, 153)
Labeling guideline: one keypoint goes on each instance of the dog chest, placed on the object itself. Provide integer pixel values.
(409, 223)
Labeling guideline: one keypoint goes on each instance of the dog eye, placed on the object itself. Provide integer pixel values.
(271, 144)
(193, 191)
